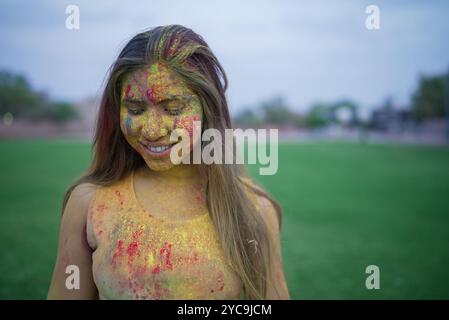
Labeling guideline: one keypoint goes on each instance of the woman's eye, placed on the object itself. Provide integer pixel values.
(174, 112)
(135, 112)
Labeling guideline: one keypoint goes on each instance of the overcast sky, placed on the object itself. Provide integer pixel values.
(306, 51)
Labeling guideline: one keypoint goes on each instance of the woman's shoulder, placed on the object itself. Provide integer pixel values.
(77, 205)
(84, 191)
(254, 191)
(264, 203)
(94, 190)
(81, 196)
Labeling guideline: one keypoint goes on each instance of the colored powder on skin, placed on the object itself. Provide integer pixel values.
(150, 96)
(150, 260)
(128, 89)
(199, 193)
(220, 282)
(118, 253)
(146, 249)
(128, 123)
(186, 123)
(166, 250)
(156, 270)
(117, 192)
(153, 85)
(132, 249)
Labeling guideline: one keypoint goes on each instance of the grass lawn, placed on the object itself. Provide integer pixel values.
(346, 206)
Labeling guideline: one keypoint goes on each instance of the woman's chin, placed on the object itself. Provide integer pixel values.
(159, 165)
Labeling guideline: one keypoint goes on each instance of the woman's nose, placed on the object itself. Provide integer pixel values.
(154, 127)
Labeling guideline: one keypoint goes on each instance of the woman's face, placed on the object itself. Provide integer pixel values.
(155, 101)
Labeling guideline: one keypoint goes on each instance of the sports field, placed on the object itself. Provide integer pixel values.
(346, 206)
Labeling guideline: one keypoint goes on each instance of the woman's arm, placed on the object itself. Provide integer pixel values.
(277, 287)
(74, 250)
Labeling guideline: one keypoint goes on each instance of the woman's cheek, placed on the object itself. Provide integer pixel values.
(186, 123)
(128, 125)
(130, 129)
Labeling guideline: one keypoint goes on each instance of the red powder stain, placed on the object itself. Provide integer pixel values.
(186, 123)
(117, 192)
(132, 249)
(159, 292)
(137, 234)
(128, 89)
(166, 251)
(101, 207)
(220, 285)
(199, 193)
(117, 253)
(150, 95)
(190, 260)
(220, 282)
(156, 270)
(140, 271)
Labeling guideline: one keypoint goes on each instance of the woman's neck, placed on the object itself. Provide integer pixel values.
(178, 172)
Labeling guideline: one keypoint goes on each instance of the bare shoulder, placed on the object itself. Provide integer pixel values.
(269, 213)
(79, 201)
(268, 209)
(73, 247)
(84, 191)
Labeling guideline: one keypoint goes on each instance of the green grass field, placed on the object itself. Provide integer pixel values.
(346, 206)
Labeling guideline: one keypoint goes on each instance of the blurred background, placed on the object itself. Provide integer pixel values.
(362, 113)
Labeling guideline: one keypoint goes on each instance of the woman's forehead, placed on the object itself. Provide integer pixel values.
(155, 82)
(155, 73)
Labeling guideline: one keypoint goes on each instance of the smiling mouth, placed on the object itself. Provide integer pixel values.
(157, 151)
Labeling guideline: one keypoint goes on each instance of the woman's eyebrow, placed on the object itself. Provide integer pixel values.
(133, 101)
(161, 101)
(175, 97)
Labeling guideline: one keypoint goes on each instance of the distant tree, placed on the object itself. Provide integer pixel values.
(319, 115)
(344, 112)
(18, 98)
(248, 118)
(428, 99)
(16, 95)
(276, 111)
(61, 112)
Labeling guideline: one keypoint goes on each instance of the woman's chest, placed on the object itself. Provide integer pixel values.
(139, 257)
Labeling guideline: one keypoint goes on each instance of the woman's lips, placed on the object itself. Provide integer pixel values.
(159, 151)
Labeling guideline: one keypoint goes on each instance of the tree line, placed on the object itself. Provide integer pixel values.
(429, 101)
(19, 100)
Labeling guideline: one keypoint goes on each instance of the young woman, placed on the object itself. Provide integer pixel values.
(136, 225)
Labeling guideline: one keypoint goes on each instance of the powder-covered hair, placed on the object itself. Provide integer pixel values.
(228, 189)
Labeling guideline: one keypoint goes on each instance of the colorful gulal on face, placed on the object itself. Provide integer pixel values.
(154, 102)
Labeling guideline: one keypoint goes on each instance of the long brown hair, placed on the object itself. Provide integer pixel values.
(231, 208)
